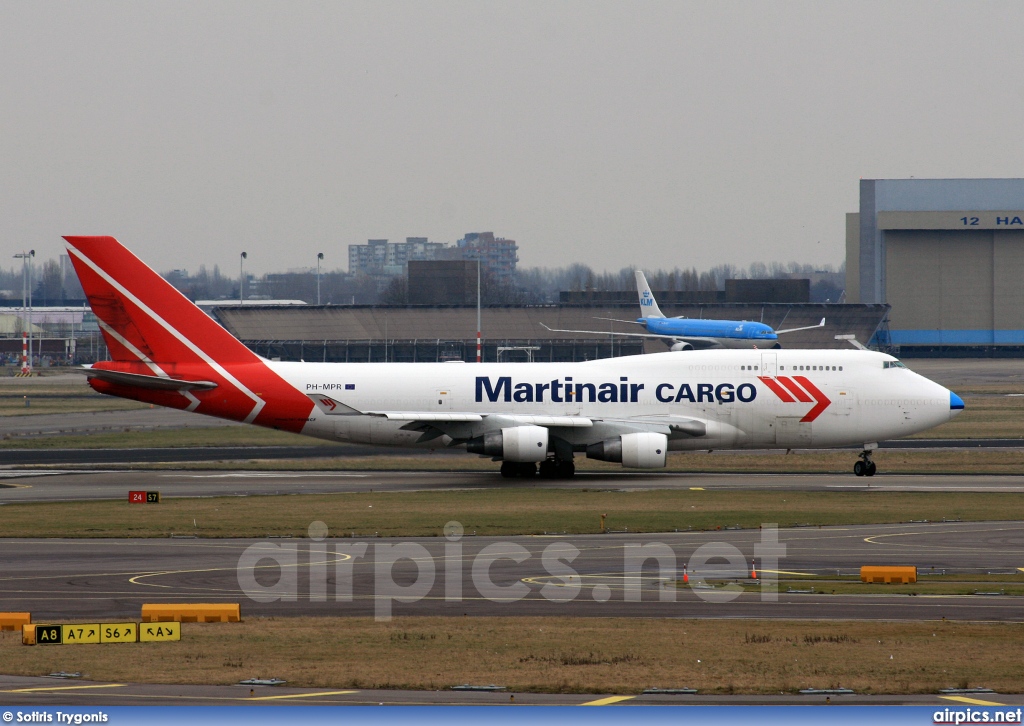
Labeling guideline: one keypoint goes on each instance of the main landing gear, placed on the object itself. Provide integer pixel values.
(557, 469)
(549, 469)
(865, 467)
(512, 469)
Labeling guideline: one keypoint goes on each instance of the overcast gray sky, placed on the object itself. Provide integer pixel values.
(612, 133)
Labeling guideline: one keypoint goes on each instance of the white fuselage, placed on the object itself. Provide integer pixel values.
(836, 397)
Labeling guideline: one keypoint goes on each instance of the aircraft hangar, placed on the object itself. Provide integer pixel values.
(948, 256)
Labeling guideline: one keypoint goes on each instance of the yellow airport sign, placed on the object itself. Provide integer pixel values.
(79, 633)
(119, 632)
(159, 632)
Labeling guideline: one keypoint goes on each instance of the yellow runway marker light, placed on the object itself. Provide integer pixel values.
(607, 701)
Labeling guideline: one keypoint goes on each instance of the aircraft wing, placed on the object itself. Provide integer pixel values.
(697, 342)
(433, 424)
(334, 407)
(630, 335)
(806, 327)
(676, 424)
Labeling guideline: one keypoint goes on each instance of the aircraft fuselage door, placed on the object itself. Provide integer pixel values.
(768, 364)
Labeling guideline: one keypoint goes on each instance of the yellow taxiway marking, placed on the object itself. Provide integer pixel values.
(972, 701)
(696, 489)
(607, 701)
(1021, 569)
(301, 695)
(64, 688)
(784, 572)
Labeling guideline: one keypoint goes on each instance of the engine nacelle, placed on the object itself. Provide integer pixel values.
(681, 346)
(518, 443)
(645, 450)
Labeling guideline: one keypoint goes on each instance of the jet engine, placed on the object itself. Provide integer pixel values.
(680, 345)
(638, 451)
(518, 443)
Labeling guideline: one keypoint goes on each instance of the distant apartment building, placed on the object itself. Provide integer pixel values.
(378, 257)
(496, 254)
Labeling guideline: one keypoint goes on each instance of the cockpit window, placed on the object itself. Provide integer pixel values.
(892, 364)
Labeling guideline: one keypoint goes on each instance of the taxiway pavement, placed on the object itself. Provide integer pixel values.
(81, 485)
(103, 579)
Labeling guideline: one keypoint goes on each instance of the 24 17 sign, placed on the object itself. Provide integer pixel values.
(144, 497)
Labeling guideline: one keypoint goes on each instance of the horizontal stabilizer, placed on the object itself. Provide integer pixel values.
(156, 383)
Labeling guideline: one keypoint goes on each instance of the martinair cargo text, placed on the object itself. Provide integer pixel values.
(633, 410)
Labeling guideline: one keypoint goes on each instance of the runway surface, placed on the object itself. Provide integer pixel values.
(71, 485)
(110, 578)
(42, 692)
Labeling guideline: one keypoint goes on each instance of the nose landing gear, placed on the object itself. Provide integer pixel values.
(865, 467)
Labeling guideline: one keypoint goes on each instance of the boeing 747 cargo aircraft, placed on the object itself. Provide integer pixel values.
(633, 410)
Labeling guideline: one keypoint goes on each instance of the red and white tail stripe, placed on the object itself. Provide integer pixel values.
(798, 389)
(152, 329)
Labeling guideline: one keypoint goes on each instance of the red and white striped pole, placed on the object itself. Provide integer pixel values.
(24, 353)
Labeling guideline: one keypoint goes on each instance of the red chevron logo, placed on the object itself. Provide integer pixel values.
(330, 404)
(798, 390)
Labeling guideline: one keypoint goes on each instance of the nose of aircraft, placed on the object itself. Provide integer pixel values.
(956, 404)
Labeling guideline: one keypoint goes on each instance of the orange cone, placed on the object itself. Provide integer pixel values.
(753, 571)
(686, 577)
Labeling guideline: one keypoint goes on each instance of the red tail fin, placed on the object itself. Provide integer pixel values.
(140, 312)
(152, 329)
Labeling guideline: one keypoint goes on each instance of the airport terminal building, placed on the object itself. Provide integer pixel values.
(948, 256)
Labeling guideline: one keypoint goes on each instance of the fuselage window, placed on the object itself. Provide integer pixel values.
(840, 368)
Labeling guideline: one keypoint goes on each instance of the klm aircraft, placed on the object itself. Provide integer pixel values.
(691, 333)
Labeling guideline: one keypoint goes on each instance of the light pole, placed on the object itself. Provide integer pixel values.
(241, 278)
(479, 353)
(26, 303)
(319, 257)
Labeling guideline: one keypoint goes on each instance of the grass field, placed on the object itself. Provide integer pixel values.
(59, 397)
(558, 655)
(496, 512)
(164, 438)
